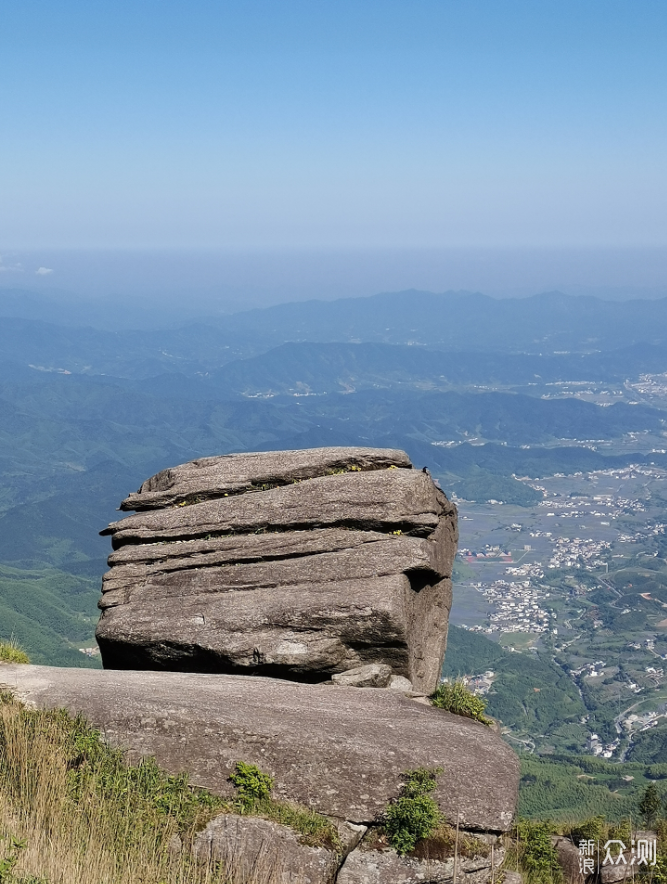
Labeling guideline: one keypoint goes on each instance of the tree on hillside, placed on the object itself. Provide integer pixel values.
(650, 804)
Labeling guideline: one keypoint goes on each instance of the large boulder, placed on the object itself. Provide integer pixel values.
(338, 750)
(295, 564)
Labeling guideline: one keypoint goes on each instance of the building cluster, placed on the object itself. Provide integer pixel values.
(599, 748)
(487, 552)
(641, 722)
(654, 385)
(600, 506)
(516, 608)
(478, 684)
(590, 670)
(529, 569)
(578, 553)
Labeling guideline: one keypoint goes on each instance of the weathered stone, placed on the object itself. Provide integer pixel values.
(373, 675)
(386, 500)
(231, 568)
(305, 632)
(250, 848)
(211, 477)
(611, 874)
(245, 547)
(400, 683)
(387, 867)
(348, 569)
(340, 751)
(569, 860)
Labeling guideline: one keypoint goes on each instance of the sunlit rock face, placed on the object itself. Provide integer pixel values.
(291, 564)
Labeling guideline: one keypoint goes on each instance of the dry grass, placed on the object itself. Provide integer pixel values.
(10, 652)
(85, 816)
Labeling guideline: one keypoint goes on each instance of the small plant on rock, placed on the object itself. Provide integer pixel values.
(414, 814)
(253, 785)
(455, 697)
(254, 798)
(10, 652)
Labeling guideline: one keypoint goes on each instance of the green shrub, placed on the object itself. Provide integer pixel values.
(622, 831)
(537, 854)
(657, 771)
(10, 652)
(592, 829)
(252, 784)
(414, 814)
(455, 697)
(650, 805)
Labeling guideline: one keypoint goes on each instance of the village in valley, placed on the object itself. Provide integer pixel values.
(578, 579)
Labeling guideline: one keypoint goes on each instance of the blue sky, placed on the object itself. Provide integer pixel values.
(320, 124)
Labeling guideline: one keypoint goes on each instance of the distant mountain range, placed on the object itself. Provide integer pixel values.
(456, 321)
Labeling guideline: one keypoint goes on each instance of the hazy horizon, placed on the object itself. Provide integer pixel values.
(237, 280)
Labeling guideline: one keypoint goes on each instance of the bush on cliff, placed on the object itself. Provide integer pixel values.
(253, 786)
(414, 815)
(536, 854)
(455, 697)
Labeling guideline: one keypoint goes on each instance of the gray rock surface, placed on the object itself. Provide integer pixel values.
(386, 867)
(250, 848)
(373, 675)
(612, 874)
(381, 500)
(211, 477)
(338, 750)
(297, 564)
(568, 859)
(400, 683)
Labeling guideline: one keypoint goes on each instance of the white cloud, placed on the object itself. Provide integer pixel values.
(43, 271)
(10, 268)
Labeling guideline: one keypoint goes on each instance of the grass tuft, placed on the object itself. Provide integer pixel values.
(456, 698)
(10, 652)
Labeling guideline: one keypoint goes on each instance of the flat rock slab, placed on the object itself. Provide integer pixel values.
(211, 477)
(373, 675)
(338, 750)
(301, 631)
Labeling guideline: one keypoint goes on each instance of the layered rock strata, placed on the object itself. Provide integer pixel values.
(295, 564)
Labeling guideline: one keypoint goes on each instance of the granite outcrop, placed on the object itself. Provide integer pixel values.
(291, 564)
(340, 751)
(289, 610)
